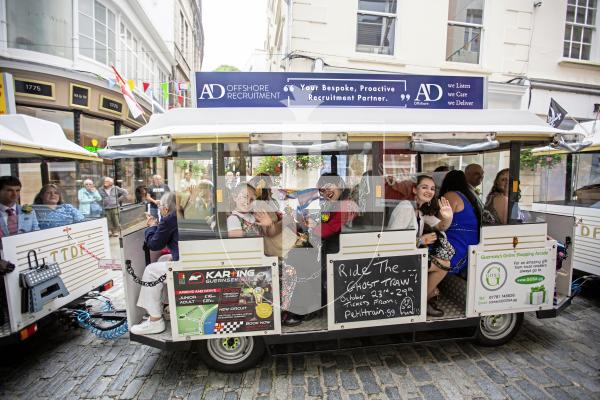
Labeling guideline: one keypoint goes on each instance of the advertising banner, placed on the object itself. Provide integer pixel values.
(376, 291)
(297, 89)
(514, 280)
(225, 301)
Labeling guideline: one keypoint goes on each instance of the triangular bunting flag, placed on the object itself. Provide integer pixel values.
(131, 84)
(146, 85)
(111, 83)
(134, 107)
(180, 100)
(165, 89)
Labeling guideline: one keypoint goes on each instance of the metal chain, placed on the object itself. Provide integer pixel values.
(137, 280)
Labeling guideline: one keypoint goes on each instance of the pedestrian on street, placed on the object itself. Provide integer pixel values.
(155, 191)
(112, 197)
(89, 197)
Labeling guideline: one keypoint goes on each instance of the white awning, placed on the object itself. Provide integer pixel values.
(590, 130)
(24, 136)
(234, 124)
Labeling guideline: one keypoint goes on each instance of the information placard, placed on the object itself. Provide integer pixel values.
(238, 301)
(514, 280)
(376, 291)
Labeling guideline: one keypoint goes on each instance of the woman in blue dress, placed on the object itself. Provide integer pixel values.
(51, 211)
(464, 230)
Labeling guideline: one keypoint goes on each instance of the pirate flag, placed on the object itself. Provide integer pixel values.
(556, 114)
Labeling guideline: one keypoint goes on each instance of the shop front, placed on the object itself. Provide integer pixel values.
(88, 114)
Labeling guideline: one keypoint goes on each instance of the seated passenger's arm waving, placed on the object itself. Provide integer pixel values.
(446, 212)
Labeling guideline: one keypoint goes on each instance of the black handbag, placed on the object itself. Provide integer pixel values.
(40, 283)
(38, 274)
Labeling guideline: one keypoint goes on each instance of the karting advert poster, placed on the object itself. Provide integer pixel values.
(224, 301)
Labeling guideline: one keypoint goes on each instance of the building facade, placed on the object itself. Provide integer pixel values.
(528, 50)
(60, 54)
(184, 39)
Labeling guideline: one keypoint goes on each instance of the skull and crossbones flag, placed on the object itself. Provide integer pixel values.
(556, 114)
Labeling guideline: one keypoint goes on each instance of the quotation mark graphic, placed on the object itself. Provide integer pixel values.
(289, 88)
(405, 97)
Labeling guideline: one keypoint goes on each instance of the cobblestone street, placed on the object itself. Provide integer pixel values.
(553, 358)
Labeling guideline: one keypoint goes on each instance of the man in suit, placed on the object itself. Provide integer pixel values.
(474, 175)
(14, 218)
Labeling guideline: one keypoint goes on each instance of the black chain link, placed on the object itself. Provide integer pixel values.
(137, 279)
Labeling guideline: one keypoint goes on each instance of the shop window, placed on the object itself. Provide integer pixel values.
(97, 32)
(581, 30)
(465, 26)
(376, 26)
(42, 26)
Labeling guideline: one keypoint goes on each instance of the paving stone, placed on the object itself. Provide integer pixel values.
(149, 387)
(349, 381)
(583, 380)
(419, 373)
(492, 372)
(214, 395)
(298, 392)
(333, 394)
(132, 389)
(314, 387)
(120, 380)
(99, 387)
(356, 396)
(578, 393)
(392, 392)
(515, 394)
(532, 391)
(114, 366)
(556, 377)
(365, 374)
(147, 366)
(430, 392)
(330, 377)
(558, 393)
(231, 396)
(265, 381)
(492, 390)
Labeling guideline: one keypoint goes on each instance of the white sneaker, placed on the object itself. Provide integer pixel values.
(166, 313)
(149, 327)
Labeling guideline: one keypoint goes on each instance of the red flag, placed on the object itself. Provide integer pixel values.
(180, 100)
(146, 85)
(134, 107)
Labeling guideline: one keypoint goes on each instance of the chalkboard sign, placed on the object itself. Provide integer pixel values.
(31, 88)
(224, 301)
(378, 288)
(80, 96)
(111, 105)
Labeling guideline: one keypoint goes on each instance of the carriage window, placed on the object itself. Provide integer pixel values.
(586, 189)
(195, 190)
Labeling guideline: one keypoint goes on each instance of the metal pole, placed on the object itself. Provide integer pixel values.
(514, 182)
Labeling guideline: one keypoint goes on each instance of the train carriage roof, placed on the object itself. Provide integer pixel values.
(22, 136)
(236, 124)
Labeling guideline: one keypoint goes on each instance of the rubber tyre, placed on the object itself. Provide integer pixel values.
(232, 354)
(495, 330)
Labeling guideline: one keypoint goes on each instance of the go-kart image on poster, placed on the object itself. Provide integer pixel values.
(515, 280)
(224, 301)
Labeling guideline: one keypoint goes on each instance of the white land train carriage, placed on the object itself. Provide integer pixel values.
(212, 290)
(27, 141)
(577, 180)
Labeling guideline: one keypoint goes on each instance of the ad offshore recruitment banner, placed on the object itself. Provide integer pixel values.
(289, 89)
